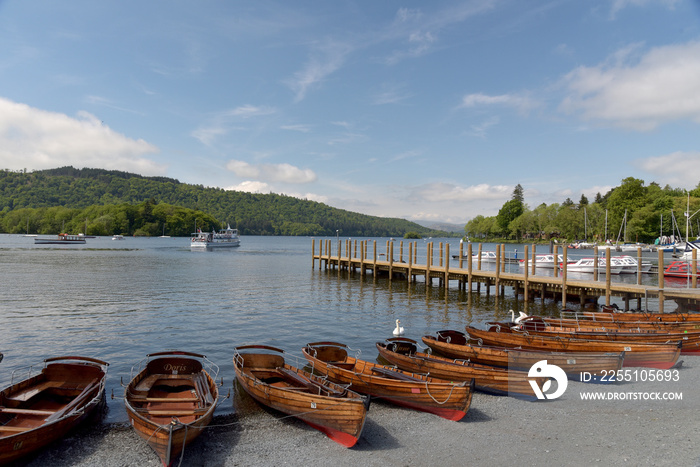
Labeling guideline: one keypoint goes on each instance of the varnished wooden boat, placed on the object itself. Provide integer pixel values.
(456, 344)
(171, 399)
(443, 398)
(661, 356)
(690, 340)
(46, 406)
(612, 314)
(404, 353)
(265, 375)
(584, 324)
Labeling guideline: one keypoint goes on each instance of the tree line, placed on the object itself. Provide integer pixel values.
(108, 202)
(631, 212)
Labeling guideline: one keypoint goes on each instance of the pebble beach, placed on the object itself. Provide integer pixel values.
(632, 429)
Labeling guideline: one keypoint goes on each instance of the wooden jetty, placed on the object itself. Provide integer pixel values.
(468, 270)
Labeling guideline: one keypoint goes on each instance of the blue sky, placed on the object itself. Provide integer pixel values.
(428, 111)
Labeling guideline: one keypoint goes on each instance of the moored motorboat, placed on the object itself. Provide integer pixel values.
(403, 353)
(651, 355)
(46, 406)
(587, 265)
(446, 399)
(545, 261)
(458, 345)
(265, 374)
(170, 399)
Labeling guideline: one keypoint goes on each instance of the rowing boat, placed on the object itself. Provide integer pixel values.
(419, 392)
(171, 399)
(456, 344)
(404, 353)
(265, 375)
(662, 356)
(46, 406)
(611, 314)
(534, 325)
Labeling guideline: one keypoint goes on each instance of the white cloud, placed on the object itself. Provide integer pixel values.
(324, 61)
(435, 192)
(661, 86)
(38, 139)
(300, 128)
(675, 169)
(251, 187)
(618, 5)
(286, 173)
(221, 123)
(521, 103)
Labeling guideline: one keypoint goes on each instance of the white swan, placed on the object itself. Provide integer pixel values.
(519, 319)
(399, 330)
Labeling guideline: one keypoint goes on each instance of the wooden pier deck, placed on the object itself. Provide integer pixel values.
(402, 264)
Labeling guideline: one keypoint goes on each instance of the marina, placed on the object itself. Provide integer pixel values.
(526, 281)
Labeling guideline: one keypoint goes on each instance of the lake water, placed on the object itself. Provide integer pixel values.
(120, 300)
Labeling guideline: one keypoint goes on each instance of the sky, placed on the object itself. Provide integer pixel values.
(427, 111)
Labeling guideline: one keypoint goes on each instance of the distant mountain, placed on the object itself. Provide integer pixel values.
(444, 226)
(251, 213)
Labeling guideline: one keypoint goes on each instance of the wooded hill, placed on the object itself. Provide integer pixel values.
(108, 202)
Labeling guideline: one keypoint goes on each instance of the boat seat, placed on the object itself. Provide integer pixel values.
(175, 412)
(312, 386)
(26, 411)
(148, 382)
(15, 429)
(26, 394)
(343, 365)
(163, 399)
(386, 372)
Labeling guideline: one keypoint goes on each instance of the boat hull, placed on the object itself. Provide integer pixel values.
(491, 380)
(31, 417)
(662, 356)
(443, 398)
(170, 402)
(455, 344)
(332, 409)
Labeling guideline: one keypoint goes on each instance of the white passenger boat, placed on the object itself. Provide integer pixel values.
(545, 261)
(587, 265)
(629, 264)
(61, 239)
(224, 238)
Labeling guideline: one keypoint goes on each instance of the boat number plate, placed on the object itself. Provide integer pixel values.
(313, 405)
(628, 349)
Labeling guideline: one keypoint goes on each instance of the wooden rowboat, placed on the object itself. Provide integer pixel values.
(456, 344)
(443, 398)
(612, 314)
(265, 375)
(583, 324)
(46, 406)
(171, 400)
(535, 325)
(404, 353)
(662, 356)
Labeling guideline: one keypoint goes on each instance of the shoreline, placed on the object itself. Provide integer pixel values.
(495, 431)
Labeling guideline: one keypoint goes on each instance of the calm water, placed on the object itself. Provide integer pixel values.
(120, 300)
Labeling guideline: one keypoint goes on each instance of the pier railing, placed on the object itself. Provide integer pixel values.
(468, 267)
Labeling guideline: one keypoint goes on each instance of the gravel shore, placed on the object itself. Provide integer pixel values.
(496, 431)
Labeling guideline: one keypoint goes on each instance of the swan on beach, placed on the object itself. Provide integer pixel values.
(399, 330)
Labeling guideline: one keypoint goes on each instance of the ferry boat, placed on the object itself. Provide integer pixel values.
(224, 238)
(61, 239)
